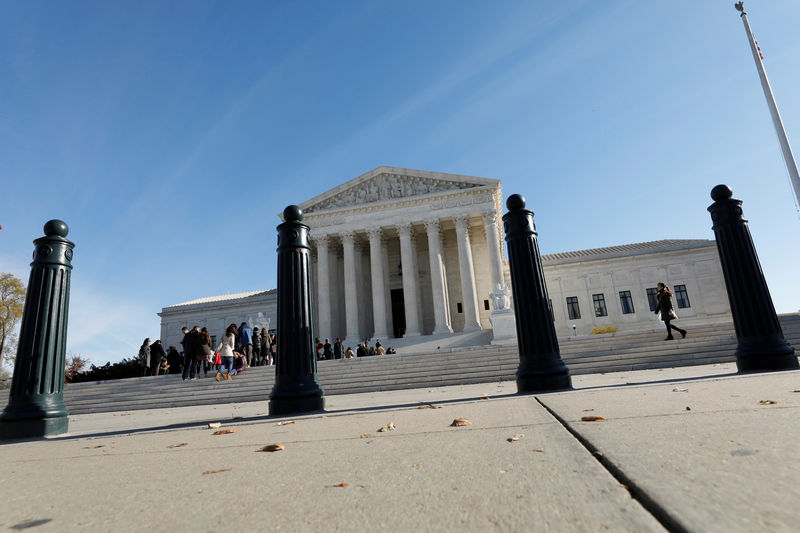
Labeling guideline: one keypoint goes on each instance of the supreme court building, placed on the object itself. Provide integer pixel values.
(402, 253)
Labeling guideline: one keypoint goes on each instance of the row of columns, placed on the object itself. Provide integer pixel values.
(406, 234)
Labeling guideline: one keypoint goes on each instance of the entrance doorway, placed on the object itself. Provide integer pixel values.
(398, 313)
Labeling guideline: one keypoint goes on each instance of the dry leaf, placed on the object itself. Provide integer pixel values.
(458, 422)
(676, 389)
(388, 427)
(483, 398)
(429, 406)
(215, 425)
(515, 438)
(768, 402)
(277, 447)
(178, 445)
(341, 485)
(587, 410)
(598, 453)
(688, 408)
(366, 436)
(225, 431)
(217, 471)
(286, 423)
(91, 447)
(537, 450)
(591, 418)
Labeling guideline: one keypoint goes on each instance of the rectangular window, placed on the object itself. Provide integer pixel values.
(681, 296)
(626, 302)
(599, 302)
(652, 299)
(213, 341)
(486, 304)
(460, 308)
(572, 308)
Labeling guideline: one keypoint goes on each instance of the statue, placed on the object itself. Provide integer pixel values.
(500, 298)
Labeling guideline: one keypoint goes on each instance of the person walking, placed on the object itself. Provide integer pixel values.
(144, 357)
(225, 349)
(191, 347)
(246, 340)
(337, 348)
(266, 347)
(204, 357)
(327, 350)
(156, 354)
(257, 347)
(664, 297)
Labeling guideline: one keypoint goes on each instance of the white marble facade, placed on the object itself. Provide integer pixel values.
(408, 252)
(401, 252)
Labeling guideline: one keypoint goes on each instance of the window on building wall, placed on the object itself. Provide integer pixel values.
(486, 304)
(213, 341)
(573, 309)
(459, 307)
(599, 302)
(681, 296)
(626, 302)
(652, 299)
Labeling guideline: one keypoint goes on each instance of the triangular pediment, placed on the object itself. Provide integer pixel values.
(388, 184)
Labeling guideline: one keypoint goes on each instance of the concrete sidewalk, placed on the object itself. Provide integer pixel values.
(690, 448)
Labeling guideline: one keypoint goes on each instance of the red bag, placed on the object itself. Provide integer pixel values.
(217, 359)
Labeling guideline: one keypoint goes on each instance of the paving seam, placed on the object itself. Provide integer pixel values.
(664, 517)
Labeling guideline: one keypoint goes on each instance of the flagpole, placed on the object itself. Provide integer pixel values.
(788, 157)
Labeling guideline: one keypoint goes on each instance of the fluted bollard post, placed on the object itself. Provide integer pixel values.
(540, 366)
(761, 342)
(36, 403)
(296, 387)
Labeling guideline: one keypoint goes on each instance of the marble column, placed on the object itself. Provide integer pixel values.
(438, 292)
(468, 292)
(378, 290)
(493, 242)
(350, 290)
(409, 279)
(323, 287)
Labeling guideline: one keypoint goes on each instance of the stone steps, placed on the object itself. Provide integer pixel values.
(481, 364)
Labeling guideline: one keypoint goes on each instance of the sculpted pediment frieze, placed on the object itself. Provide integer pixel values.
(387, 187)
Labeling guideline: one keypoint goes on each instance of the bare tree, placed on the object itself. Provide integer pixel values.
(12, 296)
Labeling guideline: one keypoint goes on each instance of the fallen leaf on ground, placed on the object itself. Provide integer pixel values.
(587, 410)
(341, 485)
(484, 398)
(688, 408)
(537, 450)
(178, 445)
(366, 436)
(259, 414)
(598, 453)
(217, 471)
(277, 447)
(215, 425)
(388, 427)
(591, 418)
(97, 446)
(429, 406)
(458, 422)
(768, 402)
(676, 389)
(225, 431)
(286, 423)
(515, 438)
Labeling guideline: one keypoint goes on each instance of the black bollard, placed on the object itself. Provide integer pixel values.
(540, 366)
(296, 387)
(761, 342)
(36, 403)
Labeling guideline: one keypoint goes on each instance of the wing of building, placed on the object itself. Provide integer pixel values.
(400, 252)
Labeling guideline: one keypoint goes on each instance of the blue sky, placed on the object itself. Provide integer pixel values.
(168, 135)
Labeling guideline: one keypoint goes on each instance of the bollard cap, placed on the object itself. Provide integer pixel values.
(515, 201)
(721, 192)
(56, 227)
(292, 213)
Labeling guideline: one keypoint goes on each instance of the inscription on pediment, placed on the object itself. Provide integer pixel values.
(386, 187)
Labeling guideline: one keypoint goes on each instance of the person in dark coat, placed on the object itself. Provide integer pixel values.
(257, 346)
(144, 357)
(174, 360)
(156, 353)
(337, 348)
(327, 350)
(191, 347)
(664, 297)
(361, 351)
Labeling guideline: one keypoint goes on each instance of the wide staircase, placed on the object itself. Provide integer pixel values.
(427, 368)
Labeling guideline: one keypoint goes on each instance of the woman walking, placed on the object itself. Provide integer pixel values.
(225, 350)
(664, 297)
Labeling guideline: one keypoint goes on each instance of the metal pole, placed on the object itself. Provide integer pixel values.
(786, 149)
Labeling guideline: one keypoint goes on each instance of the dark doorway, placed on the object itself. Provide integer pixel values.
(398, 313)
